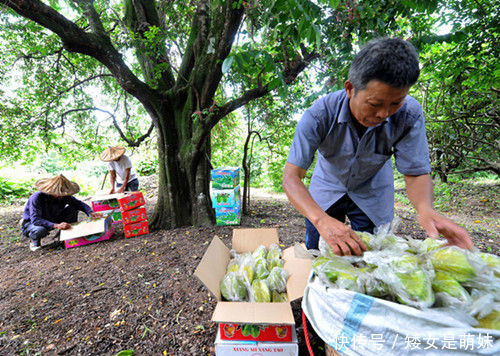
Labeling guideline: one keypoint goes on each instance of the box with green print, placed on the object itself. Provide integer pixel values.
(225, 197)
(228, 215)
(225, 178)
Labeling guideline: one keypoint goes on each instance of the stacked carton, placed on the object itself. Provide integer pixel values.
(225, 193)
(126, 208)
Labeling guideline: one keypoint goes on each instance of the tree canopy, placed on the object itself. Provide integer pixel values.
(79, 69)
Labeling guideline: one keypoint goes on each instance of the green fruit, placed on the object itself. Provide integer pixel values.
(443, 282)
(366, 238)
(248, 273)
(261, 292)
(232, 288)
(490, 321)
(274, 253)
(277, 279)
(232, 267)
(454, 262)
(274, 263)
(260, 253)
(246, 330)
(332, 267)
(431, 244)
(261, 271)
(417, 285)
(278, 297)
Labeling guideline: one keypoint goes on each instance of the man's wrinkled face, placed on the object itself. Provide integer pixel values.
(375, 103)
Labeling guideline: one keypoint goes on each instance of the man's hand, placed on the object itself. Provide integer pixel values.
(435, 224)
(121, 189)
(62, 226)
(112, 191)
(341, 238)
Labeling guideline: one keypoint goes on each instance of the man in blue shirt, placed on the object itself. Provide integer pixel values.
(52, 207)
(355, 132)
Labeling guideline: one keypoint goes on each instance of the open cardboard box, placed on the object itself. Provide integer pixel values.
(212, 269)
(87, 232)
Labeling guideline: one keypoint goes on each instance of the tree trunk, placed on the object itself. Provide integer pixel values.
(183, 177)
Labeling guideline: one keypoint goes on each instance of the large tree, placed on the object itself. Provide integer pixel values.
(172, 56)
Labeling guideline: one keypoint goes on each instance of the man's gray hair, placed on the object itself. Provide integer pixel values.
(392, 61)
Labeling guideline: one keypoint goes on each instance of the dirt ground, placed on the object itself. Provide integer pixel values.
(138, 293)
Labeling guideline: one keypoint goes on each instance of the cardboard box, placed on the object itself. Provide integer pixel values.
(225, 178)
(134, 216)
(212, 269)
(136, 229)
(228, 215)
(131, 201)
(106, 202)
(225, 197)
(253, 348)
(87, 232)
(279, 333)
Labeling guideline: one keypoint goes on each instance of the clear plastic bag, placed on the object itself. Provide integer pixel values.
(277, 279)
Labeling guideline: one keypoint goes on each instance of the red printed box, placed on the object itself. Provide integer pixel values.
(255, 332)
(85, 233)
(139, 228)
(134, 216)
(131, 201)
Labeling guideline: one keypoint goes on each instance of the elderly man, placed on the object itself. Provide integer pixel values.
(355, 132)
(52, 207)
(120, 170)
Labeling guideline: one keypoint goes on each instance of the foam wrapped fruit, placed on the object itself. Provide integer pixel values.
(232, 288)
(261, 271)
(261, 292)
(453, 261)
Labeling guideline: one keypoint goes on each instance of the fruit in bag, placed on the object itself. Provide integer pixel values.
(232, 288)
(261, 292)
(453, 261)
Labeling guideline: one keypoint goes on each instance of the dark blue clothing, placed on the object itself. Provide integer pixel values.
(132, 186)
(359, 165)
(339, 210)
(44, 210)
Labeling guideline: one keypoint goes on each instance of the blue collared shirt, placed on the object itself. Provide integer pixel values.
(44, 210)
(359, 166)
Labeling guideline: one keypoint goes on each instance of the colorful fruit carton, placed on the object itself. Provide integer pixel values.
(228, 215)
(225, 178)
(106, 202)
(255, 332)
(134, 216)
(140, 228)
(212, 269)
(131, 201)
(252, 348)
(87, 232)
(225, 197)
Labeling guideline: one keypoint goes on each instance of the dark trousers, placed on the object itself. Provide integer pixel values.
(339, 210)
(132, 186)
(35, 232)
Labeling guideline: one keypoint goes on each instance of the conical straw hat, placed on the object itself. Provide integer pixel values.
(111, 153)
(59, 186)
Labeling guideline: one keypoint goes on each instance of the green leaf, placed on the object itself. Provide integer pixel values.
(333, 3)
(125, 353)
